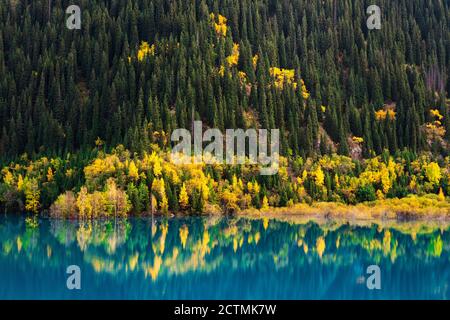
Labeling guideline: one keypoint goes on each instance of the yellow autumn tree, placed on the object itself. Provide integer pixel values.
(184, 198)
(441, 196)
(144, 50)
(382, 114)
(159, 189)
(32, 195)
(385, 180)
(230, 200)
(20, 183)
(265, 203)
(304, 90)
(157, 169)
(436, 113)
(116, 200)
(220, 24)
(64, 206)
(233, 59)
(433, 172)
(282, 77)
(336, 181)
(255, 61)
(319, 177)
(49, 175)
(8, 177)
(84, 204)
(133, 171)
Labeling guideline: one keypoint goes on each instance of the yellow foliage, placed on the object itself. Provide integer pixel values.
(32, 195)
(255, 60)
(8, 177)
(221, 19)
(336, 181)
(205, 192)
(380, 115)
(243, 77)
(265, 203)
(358, 140)
(392, 114)
(230, 200)
(20, 183)
(250, 186)
(256, 187)
(99, 142)
(65, 206)
(385, 180)
(115, 200)
(441, 196)
(437, 114)
(49, 175)
(435, 130)
(157, 170)
(69, 173)
(413, 183)
(319, 177)
(433, 172)
(380, 195)
(154, 270)
(233, 59)
(154, 161)
(282, 77)
(304, 175)
(133, 172)
(286, 77)
(387, 242)
(144, 50)
(171, 172)
(265, 223)
(220, 24)
(102, 166)
(305, 93)
(183, 198)
(305, 248)
(383, 114)
(19, 244)
(221, 71)
(84, 204)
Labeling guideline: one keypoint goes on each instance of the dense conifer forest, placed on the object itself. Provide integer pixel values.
(343, 97)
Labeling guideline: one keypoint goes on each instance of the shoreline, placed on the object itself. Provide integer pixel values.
(361, 212)
(426, 208)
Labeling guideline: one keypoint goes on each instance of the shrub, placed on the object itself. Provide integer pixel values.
(366, 193)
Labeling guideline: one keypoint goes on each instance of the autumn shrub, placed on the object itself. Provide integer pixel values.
(65, 206)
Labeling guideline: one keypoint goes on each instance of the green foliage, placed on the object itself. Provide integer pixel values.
(366, 193)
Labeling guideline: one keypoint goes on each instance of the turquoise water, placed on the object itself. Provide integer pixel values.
(222, 258)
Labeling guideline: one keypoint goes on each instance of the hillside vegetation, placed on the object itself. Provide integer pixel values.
(363, 114)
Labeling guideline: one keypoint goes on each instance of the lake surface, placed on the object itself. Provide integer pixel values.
(222, 258)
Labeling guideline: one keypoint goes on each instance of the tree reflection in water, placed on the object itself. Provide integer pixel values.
(226, 258)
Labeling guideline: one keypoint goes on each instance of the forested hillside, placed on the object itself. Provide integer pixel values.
(86, 115)
(62, 89)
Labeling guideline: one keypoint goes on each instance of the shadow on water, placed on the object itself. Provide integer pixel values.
(222, 258)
